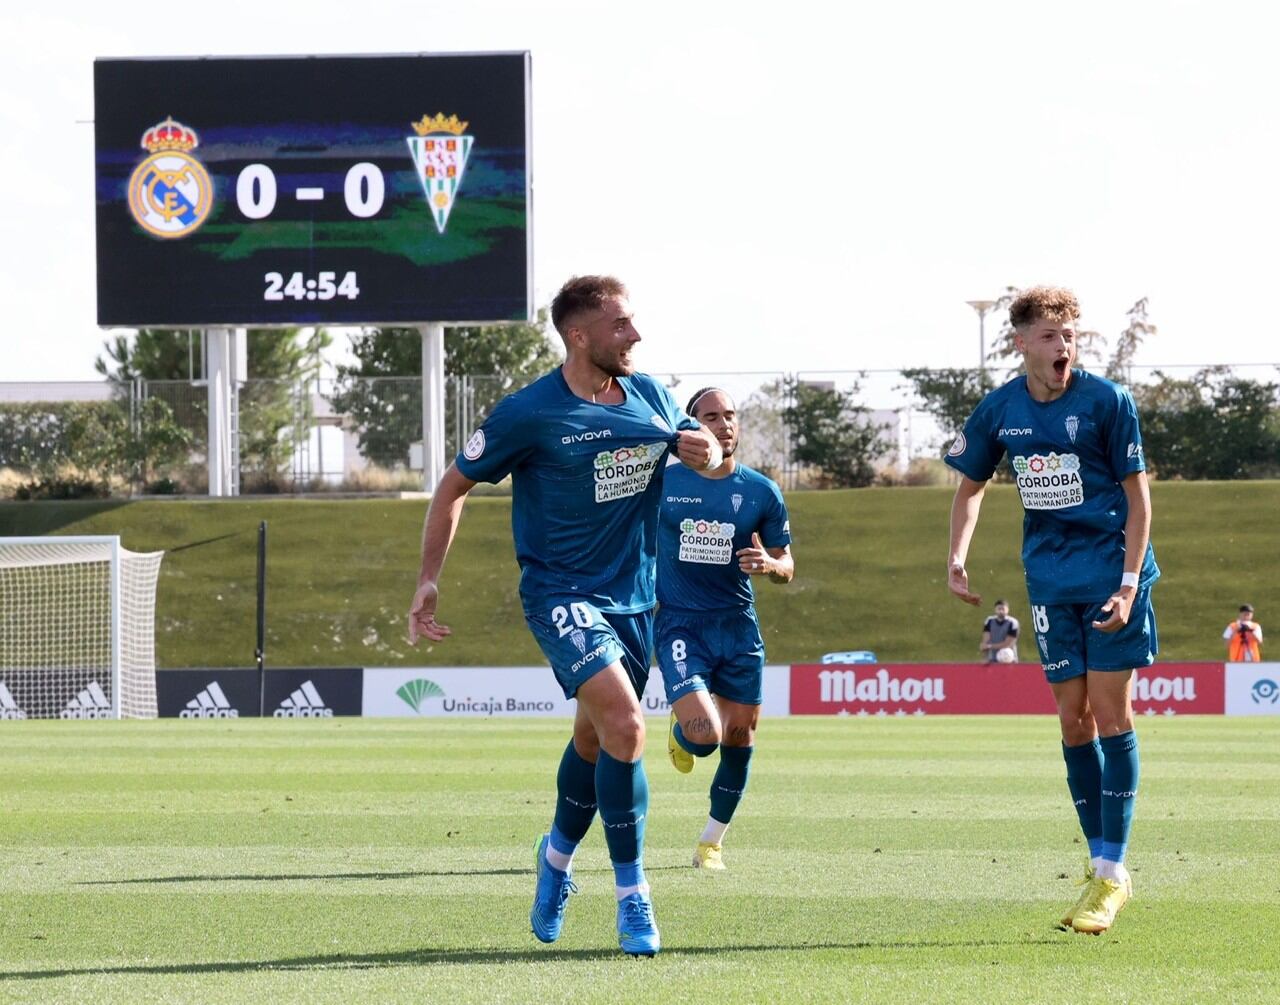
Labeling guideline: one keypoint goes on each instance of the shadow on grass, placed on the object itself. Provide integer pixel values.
(208, 540)
(284, 877)
(275, 878)
(433, 957)
(38, 517)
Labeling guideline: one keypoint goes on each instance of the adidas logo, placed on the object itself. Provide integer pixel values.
(8, 707)
(304, 703)
(91, 703)
(211, 703)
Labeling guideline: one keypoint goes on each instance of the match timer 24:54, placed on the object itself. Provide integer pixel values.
(313, 190)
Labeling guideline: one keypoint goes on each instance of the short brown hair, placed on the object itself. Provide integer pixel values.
(1040, 303)
(583, 293)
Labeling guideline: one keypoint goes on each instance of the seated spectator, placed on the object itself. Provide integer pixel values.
(1000, 636)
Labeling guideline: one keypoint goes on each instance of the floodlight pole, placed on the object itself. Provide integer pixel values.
(983, 307)
(432, 405)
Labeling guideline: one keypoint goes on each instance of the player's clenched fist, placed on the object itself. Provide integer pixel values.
(422, 615)
(698, 449)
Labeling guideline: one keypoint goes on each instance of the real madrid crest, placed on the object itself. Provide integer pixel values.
(440, 152)
(170, 194)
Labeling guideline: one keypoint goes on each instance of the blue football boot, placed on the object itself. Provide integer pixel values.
(637, 931)
(549, 896)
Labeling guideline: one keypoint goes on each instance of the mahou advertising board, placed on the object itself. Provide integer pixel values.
(985, 689)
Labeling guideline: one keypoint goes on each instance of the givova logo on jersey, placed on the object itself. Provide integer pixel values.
(707, 542)
(1049, 482)
(626, 471)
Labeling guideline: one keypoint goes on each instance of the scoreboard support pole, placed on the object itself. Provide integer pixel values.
(433, 405)
(225, 369)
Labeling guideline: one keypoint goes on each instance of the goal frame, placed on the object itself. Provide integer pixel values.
(114, 599)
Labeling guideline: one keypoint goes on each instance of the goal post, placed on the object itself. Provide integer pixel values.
(77, 628)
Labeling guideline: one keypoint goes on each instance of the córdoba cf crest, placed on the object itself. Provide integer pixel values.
(440, 152)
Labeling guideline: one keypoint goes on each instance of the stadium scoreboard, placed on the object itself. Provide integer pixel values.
(313, 190)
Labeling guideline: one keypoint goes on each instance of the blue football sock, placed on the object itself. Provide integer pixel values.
(623, 791)
(730, 781)
(1084, 779)
(1119, 792)
(575, 800)
(696, 749)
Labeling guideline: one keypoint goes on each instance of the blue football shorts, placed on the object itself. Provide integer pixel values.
(721, 652)
(579, 640)
(1069, 644)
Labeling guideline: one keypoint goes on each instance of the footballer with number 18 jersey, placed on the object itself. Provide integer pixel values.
(1075, 454)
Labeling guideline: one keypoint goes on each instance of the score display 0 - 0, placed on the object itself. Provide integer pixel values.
(333, 197)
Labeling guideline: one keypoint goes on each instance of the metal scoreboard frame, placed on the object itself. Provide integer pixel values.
(314, 190)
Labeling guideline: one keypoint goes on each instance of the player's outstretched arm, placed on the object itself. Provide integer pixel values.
(1137, 532)
(437, 534)
(965, 508)
(699, 449)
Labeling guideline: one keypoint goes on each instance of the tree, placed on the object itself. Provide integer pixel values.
(153, 354)
(765, 442)
(386, 405)
(274, 407)
(950, 396)
(1211, 425)
(1138, 330)
(830, 431)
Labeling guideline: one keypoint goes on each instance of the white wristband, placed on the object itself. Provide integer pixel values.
(717, 456)
(1129, 579)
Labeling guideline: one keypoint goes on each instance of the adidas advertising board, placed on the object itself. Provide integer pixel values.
(218, 693)
(314, 694)
(89, 702)
(1253, 689)
(317, 693)
(8, 706)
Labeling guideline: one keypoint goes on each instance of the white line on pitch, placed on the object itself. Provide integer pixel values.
(309, 194)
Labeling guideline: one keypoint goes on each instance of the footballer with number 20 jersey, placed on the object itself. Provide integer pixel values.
(1068, 457)
(584, 495)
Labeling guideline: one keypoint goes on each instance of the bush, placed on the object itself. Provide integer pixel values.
(70, 485)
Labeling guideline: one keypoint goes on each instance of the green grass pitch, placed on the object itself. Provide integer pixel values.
(879, 860)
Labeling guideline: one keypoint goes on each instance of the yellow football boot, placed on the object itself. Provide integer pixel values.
(707, 856)
(1106, 898)
(1087, 887)
(680, 758)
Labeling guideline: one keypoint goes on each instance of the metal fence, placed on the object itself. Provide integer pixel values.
(149, 437)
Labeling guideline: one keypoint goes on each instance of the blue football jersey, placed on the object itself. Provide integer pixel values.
(1068, 458)
(584, 507)
(703, 524)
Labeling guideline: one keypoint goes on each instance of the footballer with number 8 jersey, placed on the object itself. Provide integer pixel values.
(584, 446)
(1075, 451)
(716, 530)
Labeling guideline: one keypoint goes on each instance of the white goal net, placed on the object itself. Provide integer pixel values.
(77, 629)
